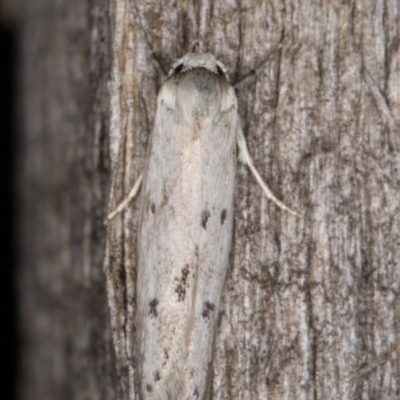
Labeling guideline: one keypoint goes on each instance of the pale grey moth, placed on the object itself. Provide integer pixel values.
(185, 230)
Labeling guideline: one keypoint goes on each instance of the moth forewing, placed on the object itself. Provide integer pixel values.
(185, 229)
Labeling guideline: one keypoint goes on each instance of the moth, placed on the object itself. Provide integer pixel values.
(185, 229)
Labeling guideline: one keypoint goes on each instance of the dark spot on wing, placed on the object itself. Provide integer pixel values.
(153, 307)
(166, 355)
(156, 376)
(149, 388)
(207, 308)
(153, 208)
(185, 273)
(182, 285)
(223, 216)
(196, 393)
(205, 215)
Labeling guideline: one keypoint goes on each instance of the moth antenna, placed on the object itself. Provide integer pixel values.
(254, 71)
(153, 58)
(157, 65)
(245, 158)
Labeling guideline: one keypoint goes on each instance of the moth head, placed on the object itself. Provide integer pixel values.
(198, 60)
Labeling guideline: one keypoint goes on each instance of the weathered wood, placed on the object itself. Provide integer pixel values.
(311, 304)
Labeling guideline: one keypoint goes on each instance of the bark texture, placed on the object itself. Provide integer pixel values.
(311, 305)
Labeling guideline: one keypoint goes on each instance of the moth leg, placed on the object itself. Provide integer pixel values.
(125, 202)
(246, 159)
